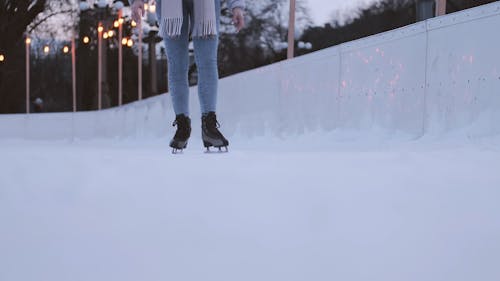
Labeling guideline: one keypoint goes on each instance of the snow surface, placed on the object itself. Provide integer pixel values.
(340, 206)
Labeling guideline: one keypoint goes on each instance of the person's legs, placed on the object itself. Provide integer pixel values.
(178, 65)
(205, 50)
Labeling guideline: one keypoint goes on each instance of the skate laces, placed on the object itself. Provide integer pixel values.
(183, 127)
(211, 120)
(212, 124)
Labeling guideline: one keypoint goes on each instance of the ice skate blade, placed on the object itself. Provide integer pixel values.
(177, 151)
(220, 150)
(178, 148)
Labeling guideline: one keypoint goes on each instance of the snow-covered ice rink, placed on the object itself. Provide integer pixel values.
(343, 208)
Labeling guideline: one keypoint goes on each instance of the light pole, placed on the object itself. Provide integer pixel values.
(100, 30)
(119, 24)
(291, 31)
(440, 7)
(101, 4)
(28, 44)
(139, 28)
(73, 70)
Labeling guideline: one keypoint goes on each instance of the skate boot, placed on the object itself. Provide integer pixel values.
(210, 133)
(180, 140)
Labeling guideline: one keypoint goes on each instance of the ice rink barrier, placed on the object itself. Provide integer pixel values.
(431, 77)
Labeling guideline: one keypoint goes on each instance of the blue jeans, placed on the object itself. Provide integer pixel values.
(205, 52)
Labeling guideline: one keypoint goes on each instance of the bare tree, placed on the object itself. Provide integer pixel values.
(268, 23)
(15, 16)
(17, 19)
(263, 40)
(58, 20)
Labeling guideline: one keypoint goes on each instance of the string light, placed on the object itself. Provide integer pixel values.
(124, 41)
(105, 35)
(120, 20)
(46, 49)
(152, 8)
(86, 40)
(28, 41)
(116, 24)
(2, 58)
(66, 49)
(133, 23)
(100, 28)
(130, 43)
(146, 7)
(111, 33)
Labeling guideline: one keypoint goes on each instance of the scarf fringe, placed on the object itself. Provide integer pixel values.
(205, 19)
(171, 27)
(205, 29)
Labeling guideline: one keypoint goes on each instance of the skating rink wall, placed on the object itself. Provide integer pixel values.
(433, 77)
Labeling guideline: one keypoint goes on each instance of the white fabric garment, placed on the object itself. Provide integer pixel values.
(205, 20)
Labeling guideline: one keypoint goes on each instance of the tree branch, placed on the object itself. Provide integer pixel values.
(44, 19)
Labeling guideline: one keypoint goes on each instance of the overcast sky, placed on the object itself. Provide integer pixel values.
(322, 10)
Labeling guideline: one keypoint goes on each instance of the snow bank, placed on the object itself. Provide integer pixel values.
(431, 77)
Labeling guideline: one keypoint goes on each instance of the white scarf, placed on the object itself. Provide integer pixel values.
(205, 22)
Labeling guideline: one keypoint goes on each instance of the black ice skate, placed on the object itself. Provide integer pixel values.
(180, 140)
(210, 133)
